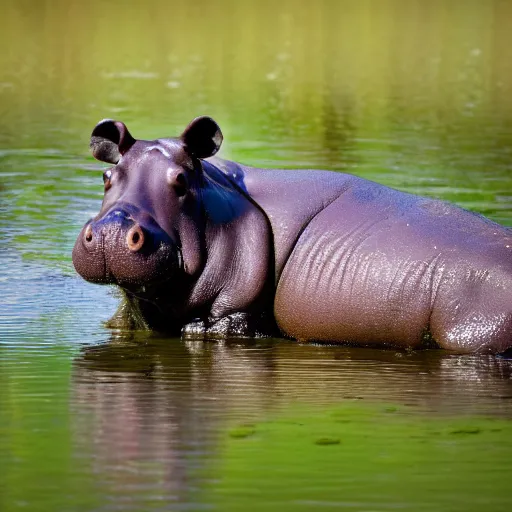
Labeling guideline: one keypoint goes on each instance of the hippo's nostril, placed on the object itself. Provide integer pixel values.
(88, 234)
(135, 238)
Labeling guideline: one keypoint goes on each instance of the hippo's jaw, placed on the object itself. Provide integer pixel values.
(125, 248)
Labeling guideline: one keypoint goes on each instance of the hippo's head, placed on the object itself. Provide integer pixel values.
(149, 217)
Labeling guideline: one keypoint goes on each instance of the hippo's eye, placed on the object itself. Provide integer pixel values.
(106, 178)
(107, 175)
(177, 180)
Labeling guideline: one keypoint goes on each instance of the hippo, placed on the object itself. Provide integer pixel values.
(202, 246)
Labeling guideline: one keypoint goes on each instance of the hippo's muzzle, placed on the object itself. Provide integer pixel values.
(126, 247)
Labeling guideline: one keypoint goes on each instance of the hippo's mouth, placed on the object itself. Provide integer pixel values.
(118, 250)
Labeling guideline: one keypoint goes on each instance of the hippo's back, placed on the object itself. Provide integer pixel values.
(380, 266)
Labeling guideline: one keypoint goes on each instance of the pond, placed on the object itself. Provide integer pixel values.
(416, 95)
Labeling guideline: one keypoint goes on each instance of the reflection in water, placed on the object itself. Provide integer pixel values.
(245, 377)
(137, 432)
(148, 412)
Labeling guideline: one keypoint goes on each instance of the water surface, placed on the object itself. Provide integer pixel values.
(412, 94)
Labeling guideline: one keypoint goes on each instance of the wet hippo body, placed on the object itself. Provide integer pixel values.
(203, 245)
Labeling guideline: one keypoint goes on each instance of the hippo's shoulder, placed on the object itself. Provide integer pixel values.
(253, 179)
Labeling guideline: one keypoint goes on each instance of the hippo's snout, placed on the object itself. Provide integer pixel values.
(135, 238)
(125, 247)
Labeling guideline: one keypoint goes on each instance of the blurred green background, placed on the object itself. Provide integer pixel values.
(414, 94)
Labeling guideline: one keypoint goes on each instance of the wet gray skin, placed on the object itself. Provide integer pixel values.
(203, 245)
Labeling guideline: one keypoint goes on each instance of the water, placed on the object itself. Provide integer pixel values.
(411, 94)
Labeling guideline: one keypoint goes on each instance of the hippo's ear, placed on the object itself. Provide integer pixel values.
(202, 137)
(110, 140)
